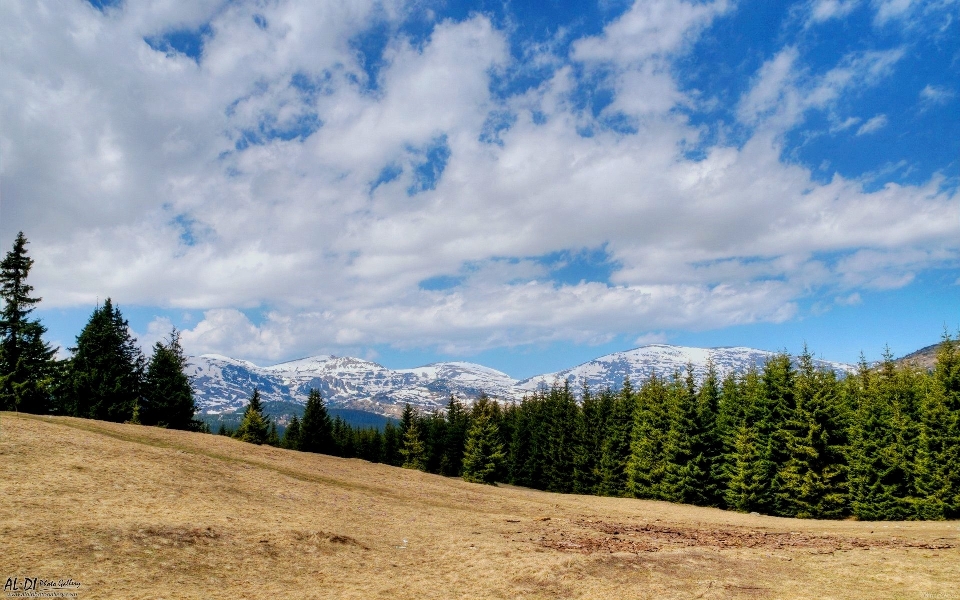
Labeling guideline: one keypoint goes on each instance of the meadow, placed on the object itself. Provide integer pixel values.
(130, 511)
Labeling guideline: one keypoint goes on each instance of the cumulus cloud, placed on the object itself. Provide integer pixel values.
(277, 174)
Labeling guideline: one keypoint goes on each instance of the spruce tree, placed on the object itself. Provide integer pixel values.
(884, 436)
(458, 423)
(168, 396)
(106, 368)
(936, 469)
(392, 442)
(316, 428)
(649, 450)
(273, 437)
(483, 451)
(414, 451)
(745, 470)
(686, 474)
(777, 406)
(813, 480)
(708, 445)
(591, 428)
(254, 427)
(291, 437)
(616, 446)
(26, 361)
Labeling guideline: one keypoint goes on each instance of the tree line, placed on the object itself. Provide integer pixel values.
(786, 439)
(106, 377)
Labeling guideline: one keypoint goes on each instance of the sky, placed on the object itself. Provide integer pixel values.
(527, 185)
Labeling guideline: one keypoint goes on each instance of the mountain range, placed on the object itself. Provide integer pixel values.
(223, 385)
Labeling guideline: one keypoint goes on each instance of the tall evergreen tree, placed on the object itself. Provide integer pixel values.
(168, 396)
(687, 469)
(483, 451)
(458, 423)
(414, 451)
(649, 448)
(254, 427)
(708, 447)
(291, 437)
(745, 469)
(591, 429)
(316, 428)
(776, 409)
(106, 368)
(392, 443)
(884, 444)
(813, 480)
(26, 361)
(616, 445)
(936, 464)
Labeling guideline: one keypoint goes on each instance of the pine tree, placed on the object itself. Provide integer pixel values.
(168, 396)
(745, 470)
(273, 438)
(414, 451)
(708, 445)
(407, 417)
(936, 469)
(591, 428)
(106, 369)
(649, 452)
(558, 438)
(884, 444)
(813, 479)
(483, 451)
(776, 408)
(254, 427)
(291, 437)
(26, 361)
(392, 442)
(616, 446)
(316, 428)
(686, 474)
(458, 423)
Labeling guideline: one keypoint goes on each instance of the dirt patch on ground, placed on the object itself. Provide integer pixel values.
(604, 536)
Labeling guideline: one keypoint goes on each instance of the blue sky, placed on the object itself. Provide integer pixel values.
(527, 185)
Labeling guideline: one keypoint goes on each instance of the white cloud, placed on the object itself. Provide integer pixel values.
(121, 166)
(853, 299)
(783, 91)
(874, 124)
(651, 338)
(824, 10)
(934, 95)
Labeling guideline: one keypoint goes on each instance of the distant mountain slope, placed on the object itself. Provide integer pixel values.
(224, 384)
(640, 363)
(924, 357)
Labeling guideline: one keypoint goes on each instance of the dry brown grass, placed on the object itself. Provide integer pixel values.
(139, 512)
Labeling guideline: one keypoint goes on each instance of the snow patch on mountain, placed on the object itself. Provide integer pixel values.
(224, 384)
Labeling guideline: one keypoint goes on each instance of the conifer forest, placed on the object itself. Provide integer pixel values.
(788, 438)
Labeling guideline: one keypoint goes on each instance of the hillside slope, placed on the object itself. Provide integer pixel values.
(137, 512)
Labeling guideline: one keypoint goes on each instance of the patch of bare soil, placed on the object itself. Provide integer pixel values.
(653, 537)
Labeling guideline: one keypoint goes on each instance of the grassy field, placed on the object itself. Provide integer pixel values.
(139, 512)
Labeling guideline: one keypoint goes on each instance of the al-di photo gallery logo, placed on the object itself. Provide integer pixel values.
(38, 587)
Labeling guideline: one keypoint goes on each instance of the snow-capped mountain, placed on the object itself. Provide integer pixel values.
(640, 363)
(224, 384)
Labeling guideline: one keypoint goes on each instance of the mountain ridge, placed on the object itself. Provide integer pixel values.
(224, 384)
